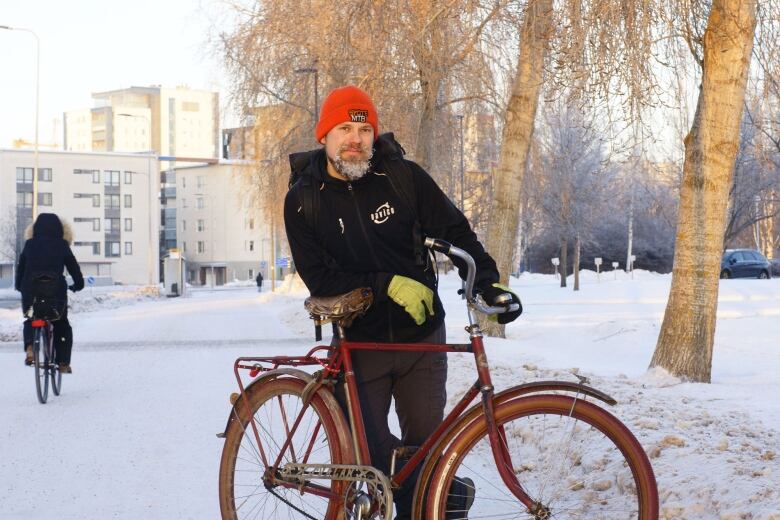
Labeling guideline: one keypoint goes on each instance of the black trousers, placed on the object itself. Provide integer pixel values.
(63, 337)
(417, 382)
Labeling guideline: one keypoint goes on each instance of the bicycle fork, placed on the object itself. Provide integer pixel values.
(496, 433)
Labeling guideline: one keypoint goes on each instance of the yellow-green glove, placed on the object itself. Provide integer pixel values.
(413, 296)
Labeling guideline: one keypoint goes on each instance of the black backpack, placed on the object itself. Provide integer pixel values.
(392, 164)
(45, 288)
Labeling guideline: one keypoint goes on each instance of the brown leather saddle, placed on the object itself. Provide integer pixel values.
(341, 309)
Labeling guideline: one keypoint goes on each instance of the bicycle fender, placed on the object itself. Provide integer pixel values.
(265, 377)
(475, 411)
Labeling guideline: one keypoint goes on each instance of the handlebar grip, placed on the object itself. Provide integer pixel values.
(438, 245)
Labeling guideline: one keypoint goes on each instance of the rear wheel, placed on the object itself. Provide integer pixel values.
(246, 482)
(574, 460)
(41, 364)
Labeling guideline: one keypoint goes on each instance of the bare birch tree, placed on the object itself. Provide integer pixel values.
(687, 334)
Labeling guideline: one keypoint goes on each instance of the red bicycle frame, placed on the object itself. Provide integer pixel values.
(340, 359)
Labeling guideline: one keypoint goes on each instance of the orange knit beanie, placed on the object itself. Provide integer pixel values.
(346, 104)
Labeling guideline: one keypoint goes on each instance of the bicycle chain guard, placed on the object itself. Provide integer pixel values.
(378, 488)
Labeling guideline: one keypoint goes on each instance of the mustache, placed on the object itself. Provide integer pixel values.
(353, 148)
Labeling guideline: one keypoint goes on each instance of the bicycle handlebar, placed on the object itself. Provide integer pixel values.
(444, 247)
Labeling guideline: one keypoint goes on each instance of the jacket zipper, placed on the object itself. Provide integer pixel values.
(371, 250)
(363, 227)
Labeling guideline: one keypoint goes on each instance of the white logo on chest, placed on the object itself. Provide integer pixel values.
(382, 213)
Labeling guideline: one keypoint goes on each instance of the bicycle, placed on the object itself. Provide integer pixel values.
(538, 450)
(46, 368)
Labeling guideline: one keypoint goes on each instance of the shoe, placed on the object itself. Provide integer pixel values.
(460, 499)
(65, 368)
(28, 359)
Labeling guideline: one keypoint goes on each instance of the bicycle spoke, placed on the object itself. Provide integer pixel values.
(563, 461)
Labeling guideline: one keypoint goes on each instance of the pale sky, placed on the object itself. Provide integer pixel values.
(90, 46)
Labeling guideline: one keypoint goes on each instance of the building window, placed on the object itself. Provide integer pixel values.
(44, 174)
(128, 201)
(94, 245)
(251, 274)
(128, 177)
(201, 181)
(111, 177)
(96, 200)
(200, 203)
(183, 182)
(112, 248)
(94, 221)
(44, 199)
(24, 175)
(201, 225)
(128, 248)
(184, 225)
(128, 224)
(251, 223)
(112, 225)
(201, 246)
(95, 177)
(24, 200)
(183, 203)
(251, 245)
(112, 201)
(184, 246)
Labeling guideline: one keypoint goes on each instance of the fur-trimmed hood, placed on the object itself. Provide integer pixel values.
(49, 224)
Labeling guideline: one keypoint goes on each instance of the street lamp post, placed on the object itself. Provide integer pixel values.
(150, 198)
(37, 97)
(313, 70)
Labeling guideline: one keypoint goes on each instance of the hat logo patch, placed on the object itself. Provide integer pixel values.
(358, 116)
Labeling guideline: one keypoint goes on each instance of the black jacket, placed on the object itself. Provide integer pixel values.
(46, 251)
(364, 237)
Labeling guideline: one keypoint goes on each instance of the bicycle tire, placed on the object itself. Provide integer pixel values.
(54, 370)
(41, 365)
(242, 469)
(56, 379)
(587, 443)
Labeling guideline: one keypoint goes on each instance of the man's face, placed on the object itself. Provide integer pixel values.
(349, 147)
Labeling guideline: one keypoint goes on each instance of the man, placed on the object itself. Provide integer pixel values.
(259, 281)
(364, 237)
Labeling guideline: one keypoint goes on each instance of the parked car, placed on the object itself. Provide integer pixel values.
(775, 267)
(744, 263)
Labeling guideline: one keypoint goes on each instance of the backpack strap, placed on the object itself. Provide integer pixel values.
(401, 179)
(309, 195)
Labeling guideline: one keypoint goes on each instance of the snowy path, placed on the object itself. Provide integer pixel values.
(133, 435)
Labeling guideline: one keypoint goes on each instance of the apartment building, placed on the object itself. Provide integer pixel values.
(174, 122)
(171, 121)
(220, 236)
(109, 199)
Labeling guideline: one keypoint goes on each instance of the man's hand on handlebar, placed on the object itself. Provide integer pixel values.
(498, 295)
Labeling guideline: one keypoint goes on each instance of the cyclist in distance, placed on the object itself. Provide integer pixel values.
(355, 217)
(47, 250)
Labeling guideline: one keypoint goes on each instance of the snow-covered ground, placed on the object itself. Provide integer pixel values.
(132, 436)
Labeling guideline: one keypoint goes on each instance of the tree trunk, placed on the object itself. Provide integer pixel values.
(426, 133)
(576, 263)
(564, 260)
(516, 141)
(686, 339)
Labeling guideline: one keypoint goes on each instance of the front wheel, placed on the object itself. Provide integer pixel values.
(573, 459)
(246, 477)
(41, 364)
